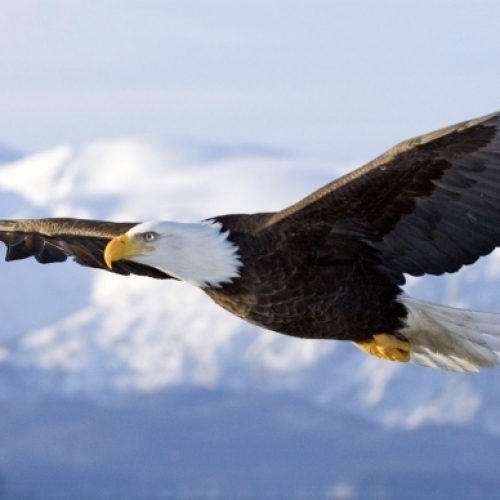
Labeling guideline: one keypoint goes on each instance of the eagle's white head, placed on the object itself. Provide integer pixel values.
(200, 253)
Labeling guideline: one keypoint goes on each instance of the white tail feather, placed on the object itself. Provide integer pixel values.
(454, 339)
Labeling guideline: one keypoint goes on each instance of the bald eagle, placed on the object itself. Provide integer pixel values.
(332, 265)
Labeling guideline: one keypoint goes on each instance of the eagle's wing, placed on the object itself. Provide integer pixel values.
(56, 239)
(429, 205)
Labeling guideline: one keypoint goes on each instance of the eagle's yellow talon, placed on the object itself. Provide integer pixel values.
(386, 346)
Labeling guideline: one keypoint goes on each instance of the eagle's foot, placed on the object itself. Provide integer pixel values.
(387, 347)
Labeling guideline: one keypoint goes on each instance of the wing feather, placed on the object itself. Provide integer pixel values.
(429, 205)
(55, 239)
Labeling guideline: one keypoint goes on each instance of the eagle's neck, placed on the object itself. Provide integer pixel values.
(200, 253)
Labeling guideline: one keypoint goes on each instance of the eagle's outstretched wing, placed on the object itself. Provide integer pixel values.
(56, 239)
(429, 205)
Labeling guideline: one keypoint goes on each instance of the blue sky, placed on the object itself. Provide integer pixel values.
(335, 80)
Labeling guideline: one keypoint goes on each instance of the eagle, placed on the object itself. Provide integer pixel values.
(332, 265)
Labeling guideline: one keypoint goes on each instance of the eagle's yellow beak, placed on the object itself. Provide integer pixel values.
(122, 247)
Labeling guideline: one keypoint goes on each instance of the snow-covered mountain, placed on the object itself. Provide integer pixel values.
(70, 330)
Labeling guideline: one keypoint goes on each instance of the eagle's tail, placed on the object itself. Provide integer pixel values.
(455, 339)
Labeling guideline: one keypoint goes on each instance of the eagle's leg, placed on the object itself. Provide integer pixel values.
(387, 347)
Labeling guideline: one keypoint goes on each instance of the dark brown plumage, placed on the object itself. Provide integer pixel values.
(331, 265)
(311, 281)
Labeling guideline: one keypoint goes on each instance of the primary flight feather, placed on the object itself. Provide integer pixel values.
(332, 265)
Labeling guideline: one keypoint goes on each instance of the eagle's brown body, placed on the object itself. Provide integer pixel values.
(321, 283)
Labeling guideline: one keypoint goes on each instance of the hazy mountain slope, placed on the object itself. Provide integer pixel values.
(72, 330)
(217, 444)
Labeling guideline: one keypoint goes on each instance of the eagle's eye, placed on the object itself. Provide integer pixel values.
(150, 236)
